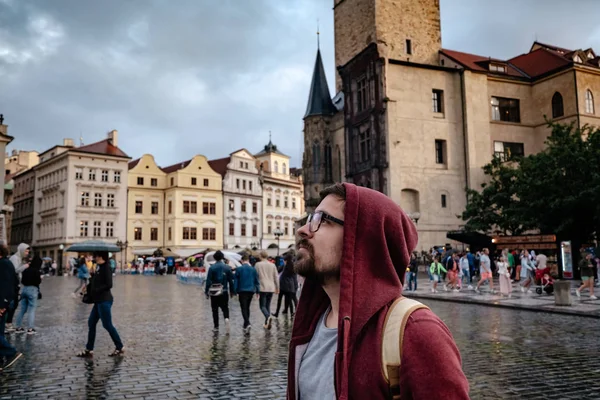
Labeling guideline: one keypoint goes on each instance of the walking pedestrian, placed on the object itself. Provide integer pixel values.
(353, 252)
(219, 281)
(269, 284)
(504, 276)
(466, 270)
(247, 285)
(7, 293)
(436, 268)
(288, 286)
(527, 272)
(485, 270)
(586, 269)
(83, 274)
(31, 281)
(412, 273)
(20, 261)
(99, 288)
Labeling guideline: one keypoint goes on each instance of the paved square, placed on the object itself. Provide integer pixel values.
(172, 352)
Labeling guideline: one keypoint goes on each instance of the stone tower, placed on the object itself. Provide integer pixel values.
(317, 163)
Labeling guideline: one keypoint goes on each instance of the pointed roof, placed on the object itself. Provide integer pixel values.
(104, 147)
(319, 100)
(220, 165)
(269, 148)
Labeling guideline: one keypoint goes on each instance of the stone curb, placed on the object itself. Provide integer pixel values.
(565, 311)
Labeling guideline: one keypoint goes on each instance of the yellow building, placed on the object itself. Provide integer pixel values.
(145, 207)
(179, 207)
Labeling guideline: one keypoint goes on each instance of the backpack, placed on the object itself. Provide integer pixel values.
(393, 335)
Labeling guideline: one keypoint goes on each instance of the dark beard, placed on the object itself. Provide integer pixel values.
(305, 265)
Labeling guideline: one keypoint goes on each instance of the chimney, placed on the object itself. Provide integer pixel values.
(113, 137)
(68, 142)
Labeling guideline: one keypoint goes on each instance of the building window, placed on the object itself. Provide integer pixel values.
(362, 94)
(437, 98)
(443, 201)
(250, 185)
(186, 207)
(440, 151)
(231, 205)
(97, 199)
(194, 182)
(139, 207)
(205, 182)
(328, 162)
(241, 164)
(154, 207)
(316, 158)
(283, 168)
(193, 207)
(117, 177)
(154, 234)
(170, 207)
(243, 206)
(254, 207)
(285, 202)
(276, 167)
(153, 182)
(507, 151)
(140, 181)
(231, 229)
(110, 229)
(286, 230)
(85, 199)
(83, 228)
(78, 173)
(186, 233)
(498, 68)
(408, 47)
(589, 102)
(364, 146)
(293, 203)
(209, 208)
(243, 229)
(110, 200)
(557, 105)
(92, 175)
(254, 230)
(244, 184)
(209, 234)
(504, 109)
(97, 228)
(237, 183)
(169, 234)
(277, 202)
(269, 200)
(104, 175)
(172, 181)
(269, 227)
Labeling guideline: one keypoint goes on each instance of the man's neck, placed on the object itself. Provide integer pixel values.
(333, 292)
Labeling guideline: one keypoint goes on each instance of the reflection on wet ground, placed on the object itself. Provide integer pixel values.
(173, 353)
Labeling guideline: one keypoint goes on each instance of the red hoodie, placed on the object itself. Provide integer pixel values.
(374, 258)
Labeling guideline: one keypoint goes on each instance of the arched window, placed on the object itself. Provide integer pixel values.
(316, 161)
(339, 163)
(557, 105)
(589, 102)
(328, 163)
(275, 167)
(283, 168)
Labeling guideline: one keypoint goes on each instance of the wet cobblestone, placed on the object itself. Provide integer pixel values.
(173, 353)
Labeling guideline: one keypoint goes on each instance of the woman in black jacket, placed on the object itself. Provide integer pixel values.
(99, 287)
(31, 280)
(288, 284)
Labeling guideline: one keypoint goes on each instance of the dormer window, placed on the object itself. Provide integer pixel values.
(498, 68)
(577, 59)
(590, 55)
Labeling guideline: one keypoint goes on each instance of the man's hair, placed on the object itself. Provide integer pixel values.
(103, 254)
(245, 256)
(338, 190)
(218, 256)
(263, 255)
(4, 253)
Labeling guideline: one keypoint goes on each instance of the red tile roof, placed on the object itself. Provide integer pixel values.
(539, 62)
(478, 63)
(176, 167)
(220, 165)
(133, 163)
(104, 147)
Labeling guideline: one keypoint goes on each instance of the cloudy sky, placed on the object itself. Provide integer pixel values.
(185, 77)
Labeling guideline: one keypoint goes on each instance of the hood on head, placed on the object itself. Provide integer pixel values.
(21, 249)
(378, 240)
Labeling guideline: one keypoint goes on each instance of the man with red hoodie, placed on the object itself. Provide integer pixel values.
(353, 252)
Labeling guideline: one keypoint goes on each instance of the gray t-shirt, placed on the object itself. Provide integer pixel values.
(484, 262)
(315, 378)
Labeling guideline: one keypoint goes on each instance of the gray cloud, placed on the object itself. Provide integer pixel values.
(178, 78)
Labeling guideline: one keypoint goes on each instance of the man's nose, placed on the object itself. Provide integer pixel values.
(304, 232)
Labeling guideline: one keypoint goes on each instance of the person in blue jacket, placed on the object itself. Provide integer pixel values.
(247, 285)
(219, 282)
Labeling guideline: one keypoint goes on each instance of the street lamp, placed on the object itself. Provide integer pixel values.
(278, 234)
(122, 245)
(415, 217)
(60, 259)
(255, 245)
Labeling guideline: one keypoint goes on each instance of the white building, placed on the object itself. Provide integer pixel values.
(283, 198)
(80, 194)
(242, 199)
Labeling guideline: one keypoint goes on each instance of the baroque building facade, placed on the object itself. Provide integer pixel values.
(420, 121)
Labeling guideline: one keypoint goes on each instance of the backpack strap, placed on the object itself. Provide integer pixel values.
(393, 335)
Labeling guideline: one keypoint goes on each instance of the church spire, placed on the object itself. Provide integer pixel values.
(319, 100)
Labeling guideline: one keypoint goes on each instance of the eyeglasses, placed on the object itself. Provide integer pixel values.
(315, 219)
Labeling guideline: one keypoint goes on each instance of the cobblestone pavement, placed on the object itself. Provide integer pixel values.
(528, 301)
(172, 352)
